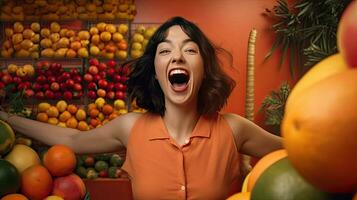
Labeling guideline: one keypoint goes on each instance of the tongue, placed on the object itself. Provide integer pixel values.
(179, 87)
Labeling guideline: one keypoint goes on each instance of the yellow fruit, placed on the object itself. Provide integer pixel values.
(136, 46)
(18, 27)
(83, 126)
(20, 72)
(101, 116)
(12, 68)
(52, 112)
(140, 29)
(94, 50)
(320, 71)
(93, 31)
(61, 105)
(123, 28)
(83, 35)
(99, 102)
(22, 157)
(35, 26)
(43, 107)
(29, 69)
(240, 196)
(121, 54)
(105, 36)
(119, 104)
(117, 37)
(83, 52)
(81, 115)
(123, 111)
(55, 27)
(138, 37)
(62, 124)
(53, 197)
(45, 32)
(53, 120)
(9, 32)
(28, 33)
(101, 26)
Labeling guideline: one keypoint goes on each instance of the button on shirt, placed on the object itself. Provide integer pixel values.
(202, 168)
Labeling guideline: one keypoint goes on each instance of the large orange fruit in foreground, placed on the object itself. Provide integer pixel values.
(14, 197)
(320, 131)
(240, 196)
(36, 182)
(263, 164)
(60, 160)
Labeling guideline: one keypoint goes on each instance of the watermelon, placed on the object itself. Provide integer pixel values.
(7, 138)
(9, 178)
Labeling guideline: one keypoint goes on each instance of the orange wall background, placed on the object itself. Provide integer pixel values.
(228, 23)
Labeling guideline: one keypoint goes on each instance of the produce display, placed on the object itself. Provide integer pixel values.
(21, 40)
(53, 10)
(140, 39)
(38, 175)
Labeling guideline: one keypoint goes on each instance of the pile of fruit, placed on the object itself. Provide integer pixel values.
(21, 41)
(319, 130)
(106, 80)
(109, 40)
(102, 166)
(52, 10)
(140, 39)
(24, 175)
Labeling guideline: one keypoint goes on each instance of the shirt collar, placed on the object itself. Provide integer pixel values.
(158, 129)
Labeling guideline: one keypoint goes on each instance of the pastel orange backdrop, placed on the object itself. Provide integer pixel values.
(228, 24)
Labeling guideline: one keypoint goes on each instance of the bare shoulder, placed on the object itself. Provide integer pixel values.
(123, 125)
(235, 122)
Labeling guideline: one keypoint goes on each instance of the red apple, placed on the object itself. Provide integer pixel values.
(96, 77)
(70, 187)
(102, 83)
(77, 79)
(41, 79)
(124, 70)
(2, 85)
(46, 86)
(49, 94)
(119, 95)
(55, 86)
(77, 94)
(16, 80)
(7, 79)
(67, 95)
(73, 71)
(111, 63)
(110, 87)
(93, 70)
(102, 66)
(88, 77)
(66, 75)
(116, 78)
(40, 95)
(92, 86)
(77, 87)
(49, 73)
(124, 79)
(103, 174)
(94, 61)
(36, 87)
(92, 94)
(110, 72)
(51, 79)
(110, 95)
(29, 93)
(69, 83)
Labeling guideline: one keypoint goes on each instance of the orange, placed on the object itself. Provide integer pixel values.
(81, 115)
(93, 113)
(42, 117)
(72, 109)
(72, 122)
(113, 116)
(64, 116)
(53, 120)
(36, 182)
(262, 165)
(83, 126)
(94, 122)
(60, 160)
(91, 106)
(107, 109)
(320, 129)
(52, 111)
(14, 197)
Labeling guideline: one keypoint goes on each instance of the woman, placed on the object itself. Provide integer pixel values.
(182, 148)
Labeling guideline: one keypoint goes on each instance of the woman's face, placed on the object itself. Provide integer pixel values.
(179, 67)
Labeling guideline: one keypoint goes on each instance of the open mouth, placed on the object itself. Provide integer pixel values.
(179, 79)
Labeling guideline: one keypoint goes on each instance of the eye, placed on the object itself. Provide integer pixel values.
(191, 51)
(164, 51)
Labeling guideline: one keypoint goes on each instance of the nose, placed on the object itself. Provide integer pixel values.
(177, 57)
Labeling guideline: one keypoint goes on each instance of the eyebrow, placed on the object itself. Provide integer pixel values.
(185, 41)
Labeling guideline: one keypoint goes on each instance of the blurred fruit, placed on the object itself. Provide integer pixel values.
(282, 181)
(70, 187)
(7, 138)
(14, 197)
(245, 183)
(347, 29)
(53, 197)
(72, 122)
(43, 107)
(240, 196)
(22, 157)
(63, 117)
(116, 160)
(36, 182)
(262, 165)
(93, 113)
(53, 120)
(72, 109)
(60, 160)
(119, 104)
(82, 126)
(10, 178)
(101, 165)
(61, 105)
(42, 117)
(99, 102)
(52, 112)
(320, 71)
(81, 115)
(331, 138)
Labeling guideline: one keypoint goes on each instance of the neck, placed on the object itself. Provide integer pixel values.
(180, 121)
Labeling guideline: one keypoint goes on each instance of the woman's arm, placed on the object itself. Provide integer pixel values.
(107, 138)
(250, 138)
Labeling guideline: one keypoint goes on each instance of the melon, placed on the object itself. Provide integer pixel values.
(7, 138)
(9, 178)
(22, 157)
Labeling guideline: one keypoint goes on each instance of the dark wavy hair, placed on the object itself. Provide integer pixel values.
(145, 89)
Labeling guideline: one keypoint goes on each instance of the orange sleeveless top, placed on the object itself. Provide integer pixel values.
(203, 168)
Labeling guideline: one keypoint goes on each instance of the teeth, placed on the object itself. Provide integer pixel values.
(178, 71)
